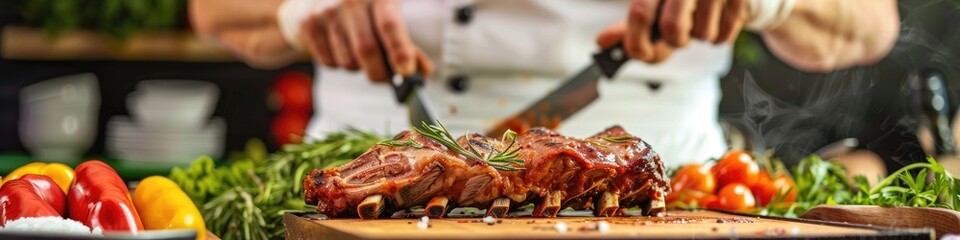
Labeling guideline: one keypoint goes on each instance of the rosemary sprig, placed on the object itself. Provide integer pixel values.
(505, 160)
(617, 139)
(397, 142)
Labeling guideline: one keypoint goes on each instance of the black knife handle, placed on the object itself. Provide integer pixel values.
(935, 110)
(403, 86)
(611, 59)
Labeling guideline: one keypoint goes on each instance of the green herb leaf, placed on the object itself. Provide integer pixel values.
(505, 160)
(618, 138)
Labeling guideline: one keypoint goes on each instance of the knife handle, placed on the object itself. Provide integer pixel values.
(403, 86)
(611, 59)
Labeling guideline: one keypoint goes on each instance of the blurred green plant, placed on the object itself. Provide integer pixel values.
(246, 196)
(748, 51)
(117, 18)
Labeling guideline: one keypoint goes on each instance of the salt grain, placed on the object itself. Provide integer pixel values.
(422, 225)
(603, 226)
(560, 227)
(489, 220)
(50, 224)
(795, 231)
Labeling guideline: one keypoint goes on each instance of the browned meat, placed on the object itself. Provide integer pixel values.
(605, 172)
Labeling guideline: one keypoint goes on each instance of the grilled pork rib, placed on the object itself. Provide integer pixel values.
(609, 171)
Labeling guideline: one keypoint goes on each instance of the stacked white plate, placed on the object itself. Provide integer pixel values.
(171, 123)
(129, 141)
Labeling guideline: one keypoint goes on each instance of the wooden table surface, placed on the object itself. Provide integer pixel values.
(679, 224)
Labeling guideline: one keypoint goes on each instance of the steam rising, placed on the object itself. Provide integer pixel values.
(873, 103)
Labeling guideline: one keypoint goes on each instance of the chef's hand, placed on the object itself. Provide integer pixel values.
(716, 21)
(348, 34)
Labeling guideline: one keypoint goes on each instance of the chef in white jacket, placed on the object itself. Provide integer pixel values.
(488, 60)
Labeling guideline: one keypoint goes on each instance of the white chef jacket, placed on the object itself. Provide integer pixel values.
(511, 53)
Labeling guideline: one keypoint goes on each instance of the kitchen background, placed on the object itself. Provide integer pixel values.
(123, 43)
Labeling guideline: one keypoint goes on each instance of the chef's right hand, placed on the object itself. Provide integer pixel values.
(348, 33)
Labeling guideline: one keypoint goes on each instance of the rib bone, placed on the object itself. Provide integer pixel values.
(371, 207)
(606, 205)
(550, 205)
(657, 205)
(437, 207)
(499, 208)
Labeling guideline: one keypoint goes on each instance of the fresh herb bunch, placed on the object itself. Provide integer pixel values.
(902, 188)
(247, 197)
(821, 182)
(505, 160)
(118, 18)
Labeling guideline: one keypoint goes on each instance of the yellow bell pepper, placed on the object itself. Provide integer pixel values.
(163, 205)
(59, 172)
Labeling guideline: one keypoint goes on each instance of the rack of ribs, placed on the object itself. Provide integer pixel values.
(607, 173)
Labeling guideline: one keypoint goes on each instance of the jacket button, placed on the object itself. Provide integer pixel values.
(458, 83)
(464, 14)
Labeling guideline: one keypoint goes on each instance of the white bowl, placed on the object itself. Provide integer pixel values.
(58, 117)
(73, 90)
(183, 113)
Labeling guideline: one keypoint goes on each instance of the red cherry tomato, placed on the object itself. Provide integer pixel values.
(736, 197)
(759, 188)
(694, 177)
(294, 90)
(288, 126)
(736, 167)
(785, 184)
(710, 202)
(766, 189)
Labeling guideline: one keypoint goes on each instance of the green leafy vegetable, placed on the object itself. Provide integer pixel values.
(902, 188)
(117, 18)
(822, 182)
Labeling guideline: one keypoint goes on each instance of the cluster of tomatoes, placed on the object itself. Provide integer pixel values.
(735, 183)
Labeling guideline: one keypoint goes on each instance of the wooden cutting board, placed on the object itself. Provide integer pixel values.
(677, 224)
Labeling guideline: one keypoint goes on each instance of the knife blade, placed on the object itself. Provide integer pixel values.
(575, 93)
(409, 91)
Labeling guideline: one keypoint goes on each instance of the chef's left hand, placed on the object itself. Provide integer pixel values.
(716, 21)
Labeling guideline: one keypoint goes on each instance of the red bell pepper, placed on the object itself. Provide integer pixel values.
(49, 191)
(19, 199)
(99, 198)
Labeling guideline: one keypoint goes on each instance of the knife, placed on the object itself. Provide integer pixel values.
(409, 91)
(574, 94)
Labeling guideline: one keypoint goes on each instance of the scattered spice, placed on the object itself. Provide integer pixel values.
(734, 220)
